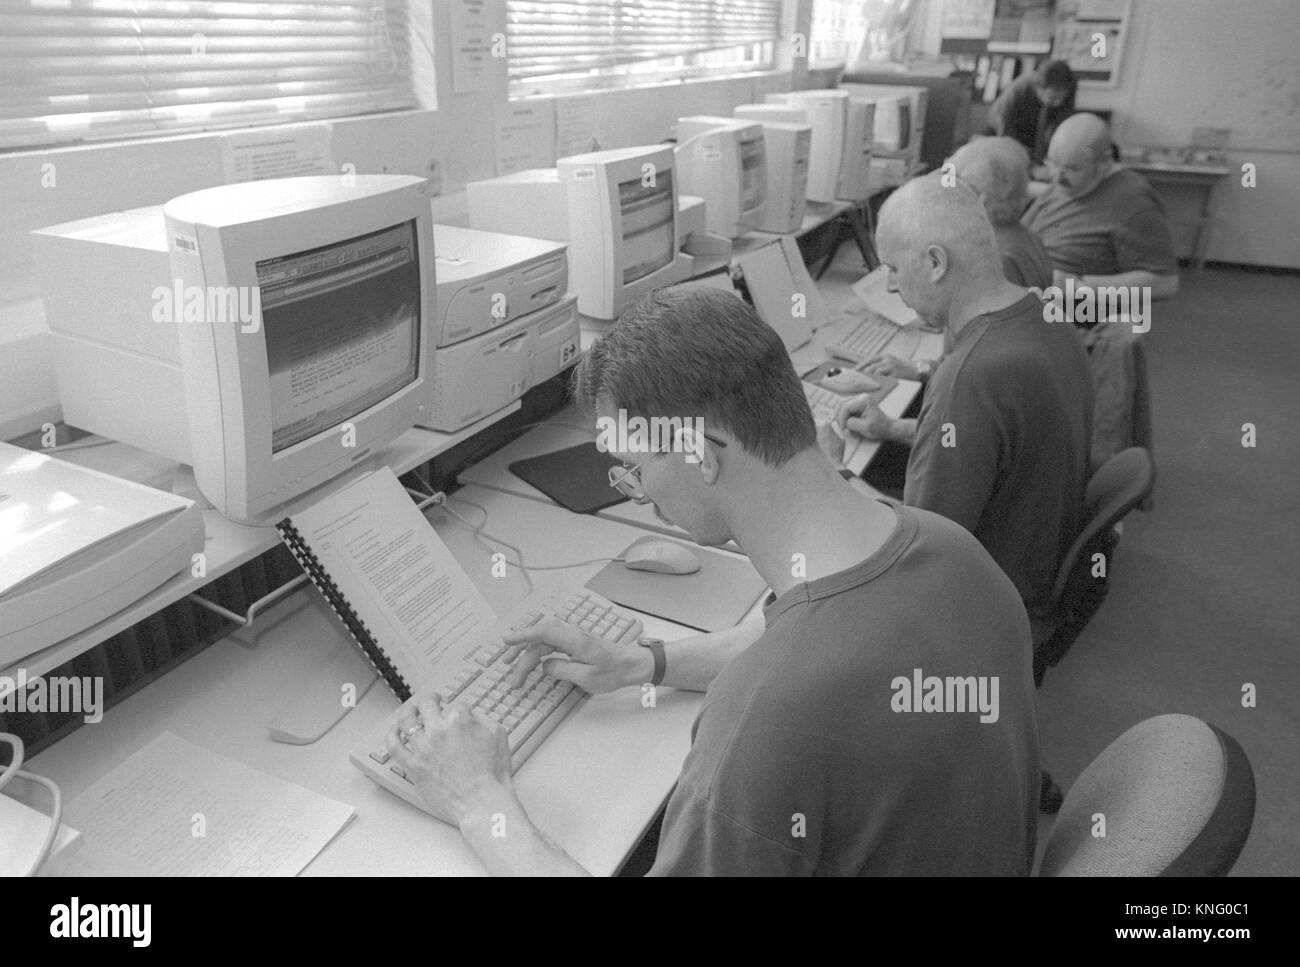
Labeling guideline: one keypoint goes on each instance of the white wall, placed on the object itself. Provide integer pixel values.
(452, 145)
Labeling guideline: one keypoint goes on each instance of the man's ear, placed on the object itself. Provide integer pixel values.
(698, 451)
(936, 262)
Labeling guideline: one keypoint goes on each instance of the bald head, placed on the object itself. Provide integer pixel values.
(926, 212)
(939, 247)
(1080, 137)
(997, 169)
(1079, 155)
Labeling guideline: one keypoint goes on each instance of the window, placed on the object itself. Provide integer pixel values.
(72, 71)
(588, 44)
(850, 31)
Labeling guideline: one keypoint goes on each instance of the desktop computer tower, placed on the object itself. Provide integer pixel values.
(788, 147)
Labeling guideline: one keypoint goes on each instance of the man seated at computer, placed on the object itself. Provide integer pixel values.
(1001, 443)
(997, 170)
(1101, 223)
(802, 760)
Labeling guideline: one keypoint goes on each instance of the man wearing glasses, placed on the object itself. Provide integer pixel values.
(813, 753)
(1101, 224)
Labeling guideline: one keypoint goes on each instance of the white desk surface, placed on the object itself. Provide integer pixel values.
(594, 786)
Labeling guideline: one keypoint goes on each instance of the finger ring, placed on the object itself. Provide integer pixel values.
(412, 730)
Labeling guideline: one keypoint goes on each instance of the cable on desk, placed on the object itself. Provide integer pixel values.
(56, 815)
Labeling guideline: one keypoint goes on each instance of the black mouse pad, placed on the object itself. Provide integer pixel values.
(576, 478)
(715, 597)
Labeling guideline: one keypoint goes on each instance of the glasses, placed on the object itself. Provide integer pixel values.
(627, 479)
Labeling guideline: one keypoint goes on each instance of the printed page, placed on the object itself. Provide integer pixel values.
(396, 573)
(177, 809)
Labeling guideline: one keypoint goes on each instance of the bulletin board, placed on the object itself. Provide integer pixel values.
(1090, 37)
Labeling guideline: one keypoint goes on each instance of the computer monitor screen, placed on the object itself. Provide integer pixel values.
(649, 242)
(342, 329)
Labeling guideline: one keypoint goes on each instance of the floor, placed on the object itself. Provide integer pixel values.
(1205, 589)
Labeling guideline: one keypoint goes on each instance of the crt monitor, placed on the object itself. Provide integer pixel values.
(335, 363)
(617, 210)
(724, 161)
(272, 334)
(847, 126)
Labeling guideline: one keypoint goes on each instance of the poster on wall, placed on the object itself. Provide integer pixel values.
(967, 19)
(1090, 38)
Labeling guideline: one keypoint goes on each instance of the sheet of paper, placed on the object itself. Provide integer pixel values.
(524, 135)
(967, 19)
(476, 28)
(278, 153)
(177, 809)
(873, 290)
(413, 596)
(575, 125)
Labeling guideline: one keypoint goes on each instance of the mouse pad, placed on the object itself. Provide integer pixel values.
(715, 597)
(576, 478)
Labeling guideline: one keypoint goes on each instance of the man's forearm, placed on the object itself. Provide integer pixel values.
(500, 833)
(904, 432)
(1162, 286)
(695, 661)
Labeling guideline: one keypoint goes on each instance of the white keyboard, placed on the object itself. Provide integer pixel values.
(479, 681)
(824, 404)
(872, 337)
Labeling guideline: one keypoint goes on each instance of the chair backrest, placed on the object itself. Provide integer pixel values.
(1119, 485)
(1176, 796)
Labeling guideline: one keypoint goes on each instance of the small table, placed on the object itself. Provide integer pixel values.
(1197, 176)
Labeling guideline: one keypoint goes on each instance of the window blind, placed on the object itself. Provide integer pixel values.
(72, 70)
(546, 39)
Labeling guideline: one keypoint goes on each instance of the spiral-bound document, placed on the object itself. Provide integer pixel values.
(389, 578)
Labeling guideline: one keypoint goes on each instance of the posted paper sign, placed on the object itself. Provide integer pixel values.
(277, 153)
(524, 135)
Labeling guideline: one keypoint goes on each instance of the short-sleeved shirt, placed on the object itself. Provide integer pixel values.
(1002, 444)
(1018, 113)
(799, 763)
(1118, 226)
(1024, 260)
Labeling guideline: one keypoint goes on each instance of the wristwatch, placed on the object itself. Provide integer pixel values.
(656, 646)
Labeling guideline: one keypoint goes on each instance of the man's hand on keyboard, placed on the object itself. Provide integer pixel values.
(862, 416)
(585, 660)
(895, 366)
(456, 761)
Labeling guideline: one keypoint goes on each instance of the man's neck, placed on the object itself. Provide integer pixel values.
(979, 298)
(804, 522)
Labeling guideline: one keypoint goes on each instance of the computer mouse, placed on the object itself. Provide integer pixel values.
(849, 381)
(661, 557)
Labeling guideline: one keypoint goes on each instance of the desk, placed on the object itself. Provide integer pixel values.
(594, 786)
(1199, 177)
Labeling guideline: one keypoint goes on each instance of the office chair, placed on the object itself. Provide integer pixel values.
(1178, 799)
(1120, 484)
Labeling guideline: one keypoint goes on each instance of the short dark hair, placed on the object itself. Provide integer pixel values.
(1057, 74)
(701, 353)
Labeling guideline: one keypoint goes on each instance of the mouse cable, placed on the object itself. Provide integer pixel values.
(56, 815)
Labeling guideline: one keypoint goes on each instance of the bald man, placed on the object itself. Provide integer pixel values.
(997, 170)
(1001, 443)
(1101, 223)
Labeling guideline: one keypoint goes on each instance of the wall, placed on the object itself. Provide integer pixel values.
(452, 144)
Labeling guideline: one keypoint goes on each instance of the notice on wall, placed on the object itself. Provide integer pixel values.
(575, 125)
(477, 44)
(524, 135)
(261, 153)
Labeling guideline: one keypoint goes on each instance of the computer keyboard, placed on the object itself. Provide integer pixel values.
(478, 680)
(872, 337)
(823, 402)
